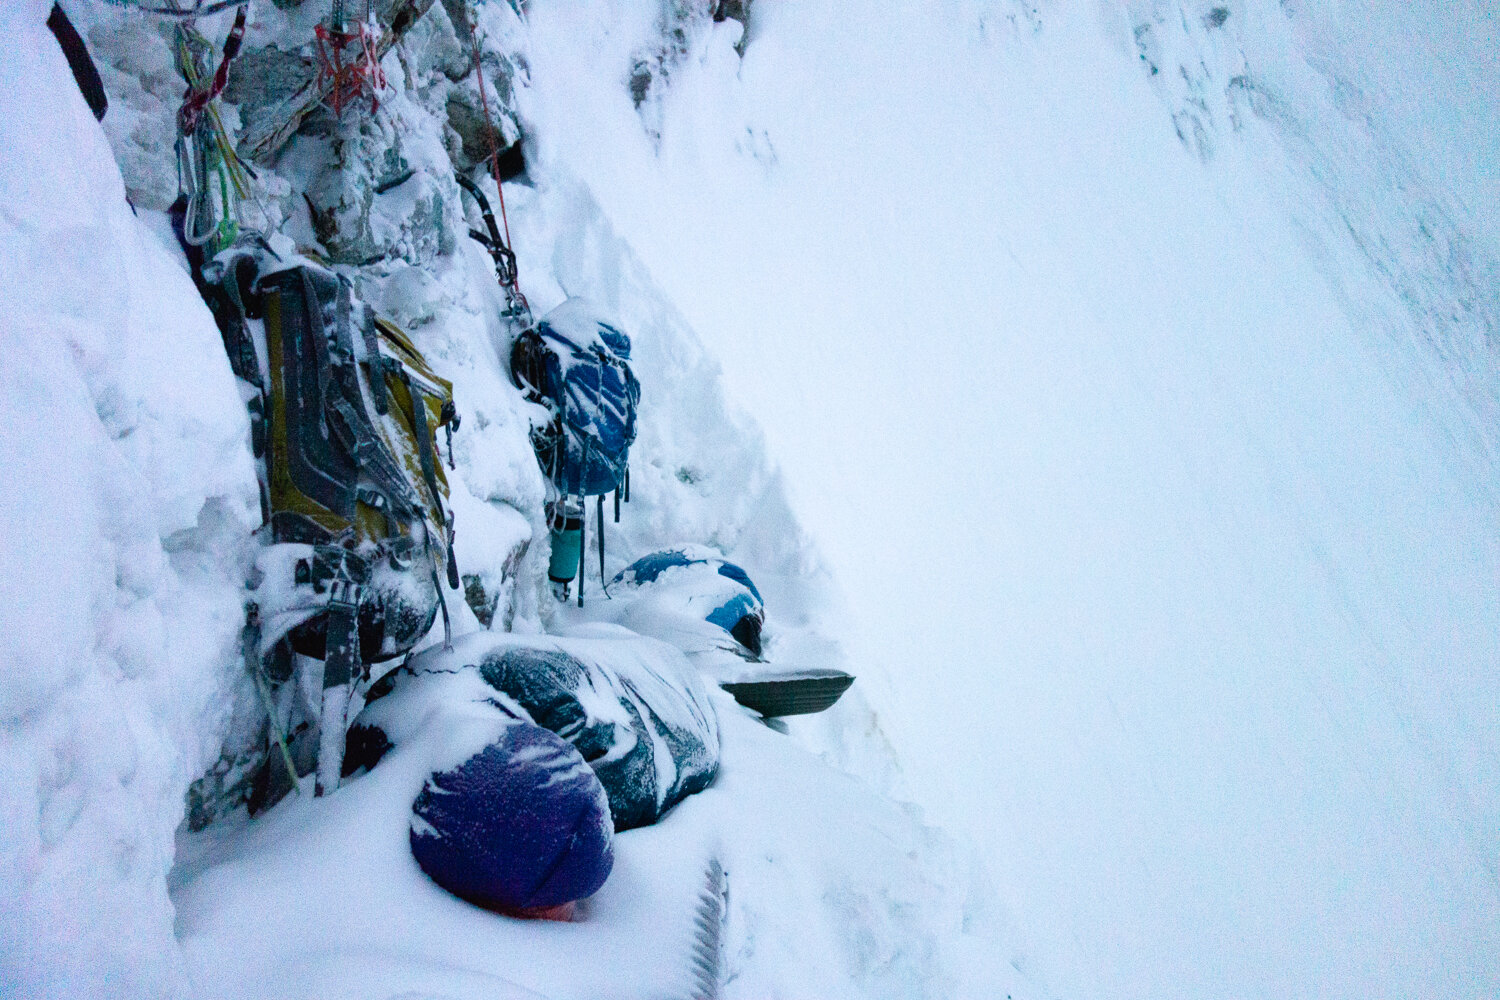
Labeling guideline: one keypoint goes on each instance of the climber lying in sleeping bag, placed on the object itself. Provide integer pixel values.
(706, 606)
(543, 748)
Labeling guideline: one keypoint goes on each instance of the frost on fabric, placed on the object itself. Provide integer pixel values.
(634, 708)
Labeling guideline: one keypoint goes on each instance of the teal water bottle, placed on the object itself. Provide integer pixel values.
(567, 545)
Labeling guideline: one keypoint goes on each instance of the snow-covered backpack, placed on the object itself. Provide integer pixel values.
(358, 538)
(577, 365)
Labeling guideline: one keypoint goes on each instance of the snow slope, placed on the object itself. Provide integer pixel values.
(1134, 365)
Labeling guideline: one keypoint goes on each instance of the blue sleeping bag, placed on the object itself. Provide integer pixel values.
(693, 582)
(545, 747)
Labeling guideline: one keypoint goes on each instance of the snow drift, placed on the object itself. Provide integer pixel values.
(127, 495)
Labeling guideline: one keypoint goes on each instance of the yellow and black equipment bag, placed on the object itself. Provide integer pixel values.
(358, 539)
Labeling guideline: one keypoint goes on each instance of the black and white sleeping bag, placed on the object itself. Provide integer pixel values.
(633, 708)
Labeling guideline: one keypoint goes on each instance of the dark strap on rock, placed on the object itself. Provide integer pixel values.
(84, 70)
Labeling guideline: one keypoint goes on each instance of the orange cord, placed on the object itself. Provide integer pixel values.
(494, 148)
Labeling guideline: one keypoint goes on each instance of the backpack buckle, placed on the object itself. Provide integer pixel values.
(345, 593)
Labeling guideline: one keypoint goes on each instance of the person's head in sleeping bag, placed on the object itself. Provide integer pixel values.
(670, 590)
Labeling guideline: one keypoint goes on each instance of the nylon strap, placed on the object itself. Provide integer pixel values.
(197, 98)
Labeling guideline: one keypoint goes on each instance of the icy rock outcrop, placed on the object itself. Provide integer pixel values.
(373, 198)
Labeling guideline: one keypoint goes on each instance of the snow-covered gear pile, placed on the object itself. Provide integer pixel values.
(706, 606)
(509, 816)
(693, 583)
(542, 750)
(634, 709)
(346, 413)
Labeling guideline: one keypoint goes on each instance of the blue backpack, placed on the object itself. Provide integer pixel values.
(576, 364)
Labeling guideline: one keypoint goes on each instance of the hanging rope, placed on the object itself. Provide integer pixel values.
(209, 173)
(509, 276)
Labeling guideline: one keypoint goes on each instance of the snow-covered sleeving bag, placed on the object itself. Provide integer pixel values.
(633, 707)
(504, 813)
(345, 413)
(577, 365)
(674, 594)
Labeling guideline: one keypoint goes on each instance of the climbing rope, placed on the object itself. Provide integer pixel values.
(199, 95)
(210, 175)
(506, 271)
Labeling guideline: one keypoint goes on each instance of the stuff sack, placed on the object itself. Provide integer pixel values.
(632, 707)
(576, 364)
(521, 827)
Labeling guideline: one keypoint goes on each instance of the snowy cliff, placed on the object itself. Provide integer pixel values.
(1133, 365)
(130, 495)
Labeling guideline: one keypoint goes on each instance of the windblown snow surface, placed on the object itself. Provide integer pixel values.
(1133, 365)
